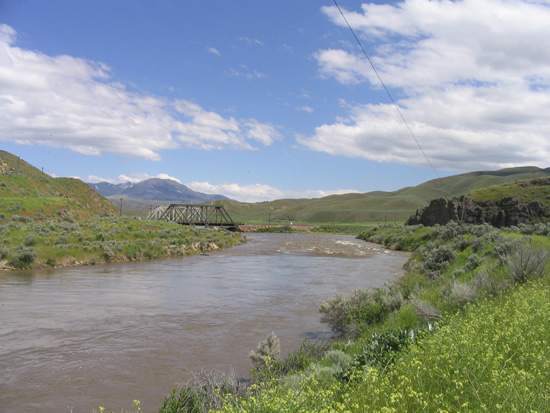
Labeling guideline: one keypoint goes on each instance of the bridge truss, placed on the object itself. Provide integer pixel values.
(190, 214)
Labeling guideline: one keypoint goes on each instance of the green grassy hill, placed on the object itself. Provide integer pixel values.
(526, 191)
(27, 191)
(375, 206)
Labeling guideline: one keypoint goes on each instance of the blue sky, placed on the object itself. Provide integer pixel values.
(264, 99)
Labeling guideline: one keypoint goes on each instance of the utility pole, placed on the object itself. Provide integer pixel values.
(120, 206)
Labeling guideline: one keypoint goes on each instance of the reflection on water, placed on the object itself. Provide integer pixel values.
(77, 338)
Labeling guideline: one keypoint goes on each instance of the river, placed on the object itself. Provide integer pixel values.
(74, 339)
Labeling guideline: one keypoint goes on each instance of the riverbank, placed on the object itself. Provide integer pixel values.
(463, 330)
(28, 243)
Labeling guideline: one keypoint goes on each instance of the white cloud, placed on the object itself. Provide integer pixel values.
(243, 193)
(264, 133)
(471, 77)
(215, 51)
(343, 66)
(93, 179)
(244, 71)
(319, 193)
(133, 177)
(69, 102)
(209, 130)
(306, 108)
(260, 192)
(251, 42)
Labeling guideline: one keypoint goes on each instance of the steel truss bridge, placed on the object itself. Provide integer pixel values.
(190, 214)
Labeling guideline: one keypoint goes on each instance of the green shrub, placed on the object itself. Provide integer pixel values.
(527, 262)
(383, 347)
(463, 293)
(437, 257)
(338, 360)
(22, 258)
(108, 253)
(29, 241)
(132, 251)
(344, 315)
(266, 353)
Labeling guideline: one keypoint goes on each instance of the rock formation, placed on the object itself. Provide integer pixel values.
(503, 213)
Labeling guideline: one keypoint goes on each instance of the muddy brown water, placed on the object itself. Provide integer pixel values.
(74, 339)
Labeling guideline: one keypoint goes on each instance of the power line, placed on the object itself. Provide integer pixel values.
(386, 89)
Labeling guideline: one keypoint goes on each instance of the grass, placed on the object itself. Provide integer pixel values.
(26, 243)
(524, 191)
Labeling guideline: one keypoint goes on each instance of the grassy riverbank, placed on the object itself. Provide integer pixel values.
(60, 240)
(464, 330)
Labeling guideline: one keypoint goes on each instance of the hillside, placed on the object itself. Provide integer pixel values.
(526, 191)
(27, 191)
(375, 206)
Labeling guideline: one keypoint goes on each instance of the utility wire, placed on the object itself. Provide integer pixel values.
(386, 89)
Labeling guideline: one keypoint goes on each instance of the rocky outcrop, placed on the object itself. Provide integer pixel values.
(506, 212)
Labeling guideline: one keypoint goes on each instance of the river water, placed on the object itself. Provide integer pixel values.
(74, 339)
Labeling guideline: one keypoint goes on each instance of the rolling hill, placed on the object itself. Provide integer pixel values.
(376, 206)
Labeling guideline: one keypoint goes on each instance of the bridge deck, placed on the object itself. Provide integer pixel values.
(192, 214)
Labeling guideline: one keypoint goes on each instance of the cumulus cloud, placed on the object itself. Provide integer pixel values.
(209, 130)
(471, 77)
(63, 101)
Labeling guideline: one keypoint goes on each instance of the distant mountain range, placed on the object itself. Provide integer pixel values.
(154, 190)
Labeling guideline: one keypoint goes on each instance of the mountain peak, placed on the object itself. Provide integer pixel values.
(155, 189)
